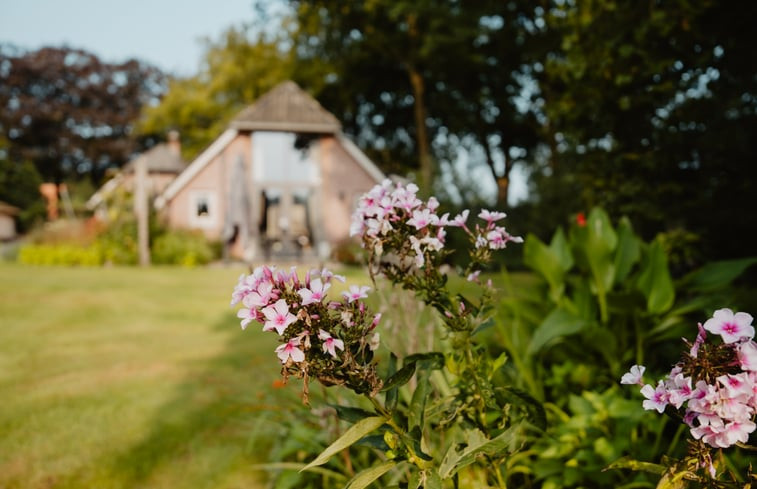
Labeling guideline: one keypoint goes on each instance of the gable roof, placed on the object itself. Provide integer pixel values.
(286, 107)
(161, 158)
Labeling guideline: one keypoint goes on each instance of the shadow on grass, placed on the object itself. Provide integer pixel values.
(205, 436)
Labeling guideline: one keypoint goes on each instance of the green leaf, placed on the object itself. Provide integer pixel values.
(400, 378)
(655, 281)
(717, 274)
(351, 414)
(433, 481)
(433, 359)
(478, 444)
(298, 467)
(628, 251)
(391, 396)
(418, 403)
(543, 260)
(629, 463)
(353, 434)
(558, 323)
(367, 476)
(560, 248)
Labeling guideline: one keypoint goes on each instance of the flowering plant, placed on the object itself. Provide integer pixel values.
(712, 389)
(460, 417)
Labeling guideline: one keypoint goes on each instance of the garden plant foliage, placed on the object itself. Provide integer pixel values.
(521, 391)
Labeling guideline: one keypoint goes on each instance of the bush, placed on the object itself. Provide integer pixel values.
(184, 248)
(60, 254)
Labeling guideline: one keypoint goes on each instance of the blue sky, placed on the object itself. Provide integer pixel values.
(166, 33)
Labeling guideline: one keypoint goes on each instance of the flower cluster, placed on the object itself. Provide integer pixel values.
(393, 222)
(332, 341)
(714, 385)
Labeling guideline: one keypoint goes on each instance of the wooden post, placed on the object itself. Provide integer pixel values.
(141, 210)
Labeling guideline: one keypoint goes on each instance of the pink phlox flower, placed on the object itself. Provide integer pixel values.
(315, 293)
(473, 277)
(330, 344)
(278, 317)
(261, 297)
(444, 220)
(459, 220)
(290, 350)
(327, 275)
(747, 355)
(680, 391)
(657, 398)
(481, 242)
(374, 342)
(375, 320)
(405, 197)
(731, 327)
(432, 203)
(634, 375)
(422, 218)
(248, 315)
(420, 260)
(431, 243)
(736, 431)
(737, 386)
(491, 216)
(245, 285)
(356, 293)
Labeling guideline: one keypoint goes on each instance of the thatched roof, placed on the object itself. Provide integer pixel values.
(286, 108)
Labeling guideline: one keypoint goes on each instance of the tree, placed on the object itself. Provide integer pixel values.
(70, 113)
(414, 81)
(650, 109)
(236, 70)
(19, 186)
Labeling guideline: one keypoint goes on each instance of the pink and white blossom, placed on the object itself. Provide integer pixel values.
(278, 317)
(634, 375)
(657, 398)
(315, 293)
(248, 315)
(356, 293)
(290, 350)
(731, 327)
(491, 216)
(747, 355)
(330, 344)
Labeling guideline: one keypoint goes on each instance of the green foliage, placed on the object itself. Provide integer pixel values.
(607, 300)
(60, 254)
(184, 248)
(19, 187)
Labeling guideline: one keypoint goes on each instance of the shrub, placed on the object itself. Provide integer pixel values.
(184, 248)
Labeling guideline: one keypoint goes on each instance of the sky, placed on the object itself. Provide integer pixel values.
(166, 33)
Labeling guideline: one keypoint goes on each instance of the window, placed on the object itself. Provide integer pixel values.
(202, 208)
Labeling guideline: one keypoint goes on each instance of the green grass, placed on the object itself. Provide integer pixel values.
(121, 377)
(124, 378)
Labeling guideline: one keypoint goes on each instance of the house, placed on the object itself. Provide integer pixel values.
(280, 181)
(163, 162)
(8, 214)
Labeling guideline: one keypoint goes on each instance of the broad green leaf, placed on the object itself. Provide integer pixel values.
(367, 476)
(717, 274)
(418, 403)
(655, 281)
(298, 467)
(557, 324)
(535, 409)
(629, 463)
(351, 414)
(433, 481)
(353, 434)
(433, 360)
(400, 378)
(628, 251)
(560, 248)
(543, 260)
(478, 444)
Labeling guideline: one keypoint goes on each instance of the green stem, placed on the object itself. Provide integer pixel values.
(500, 481)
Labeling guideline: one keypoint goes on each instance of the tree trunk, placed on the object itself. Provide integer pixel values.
(424, 150)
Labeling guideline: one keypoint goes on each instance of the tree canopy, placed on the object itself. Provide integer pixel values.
(70, 113)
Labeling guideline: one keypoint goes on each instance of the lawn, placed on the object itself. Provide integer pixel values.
(122, 377)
